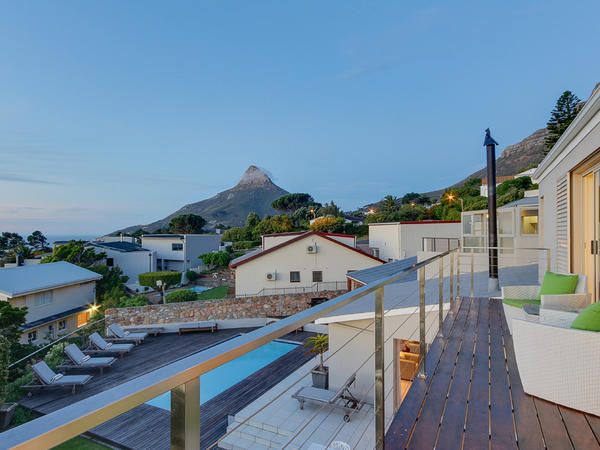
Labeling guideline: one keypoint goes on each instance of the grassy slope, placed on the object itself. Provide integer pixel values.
(214, 293)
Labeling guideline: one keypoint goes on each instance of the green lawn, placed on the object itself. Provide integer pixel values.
(214, 293)
(80, 443)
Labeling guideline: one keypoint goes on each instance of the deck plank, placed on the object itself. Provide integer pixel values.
(578, 427)
(555, 433)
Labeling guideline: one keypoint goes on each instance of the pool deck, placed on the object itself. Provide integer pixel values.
(149, 427)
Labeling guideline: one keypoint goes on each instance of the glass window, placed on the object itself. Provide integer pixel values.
(294, 277)
(32, 337)
(505, 220)
(62, 324)
(529, 221)
(477, 224)
(110, 262)
(467, 224)
(317, 276)
(176, 247)
(82, 319)
(43, 298)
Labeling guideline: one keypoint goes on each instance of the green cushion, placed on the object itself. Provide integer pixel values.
(588, 319)
(519, 303)
(557, 284)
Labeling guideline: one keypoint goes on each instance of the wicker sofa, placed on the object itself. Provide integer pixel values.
(580, 299)
(559, 364)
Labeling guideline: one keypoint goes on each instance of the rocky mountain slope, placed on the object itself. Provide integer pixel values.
(514, 159)
(254, 193)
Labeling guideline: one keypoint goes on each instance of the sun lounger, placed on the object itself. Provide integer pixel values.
(47, 378)
(116, 333)
(198, 326)
(154, 331)
(99, 345)
(79, 360)
(327, 397)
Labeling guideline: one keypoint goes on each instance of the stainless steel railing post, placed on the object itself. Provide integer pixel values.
(185, 416)
(451, 281)
(458, 275)
(422, 331)
(379, 371)
(441, 296)
(472, 275)
(548, 260)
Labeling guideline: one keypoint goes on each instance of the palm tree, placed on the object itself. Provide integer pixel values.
(389, 203)
(318, 344)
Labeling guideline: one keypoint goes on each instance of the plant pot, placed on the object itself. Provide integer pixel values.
(320, 378)
(7, 410)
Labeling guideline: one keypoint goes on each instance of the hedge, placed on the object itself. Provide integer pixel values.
(150, 278)
(185, 295)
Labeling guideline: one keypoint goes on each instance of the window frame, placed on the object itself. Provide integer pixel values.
(293, 274)
(320, 273)
(177, 246)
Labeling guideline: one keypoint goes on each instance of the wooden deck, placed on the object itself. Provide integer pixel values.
(148, 427)
(473, 397)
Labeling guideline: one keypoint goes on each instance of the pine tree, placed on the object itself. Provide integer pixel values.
(567, 107)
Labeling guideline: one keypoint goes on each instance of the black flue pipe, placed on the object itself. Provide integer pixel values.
(490, 146)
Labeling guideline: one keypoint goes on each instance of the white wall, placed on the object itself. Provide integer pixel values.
(131, 263)
(385, 238)
(357, 356)
(194, 245)
(63, 299)
(332, 259)
(199, 244)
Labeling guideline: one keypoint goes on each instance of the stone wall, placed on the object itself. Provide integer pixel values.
(223, 309)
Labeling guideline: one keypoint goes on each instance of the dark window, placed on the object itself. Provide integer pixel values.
(62, 324)
(110, 262)
(32, 337)
(317, 276)
(294, 277)
(176, 247)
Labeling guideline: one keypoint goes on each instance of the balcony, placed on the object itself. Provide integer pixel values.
(466, 392)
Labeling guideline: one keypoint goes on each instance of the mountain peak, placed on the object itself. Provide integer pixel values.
(254, 176)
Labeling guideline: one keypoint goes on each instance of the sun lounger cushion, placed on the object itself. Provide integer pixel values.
(557, 284)
(48, 377)
(318, 395)
(588, 319)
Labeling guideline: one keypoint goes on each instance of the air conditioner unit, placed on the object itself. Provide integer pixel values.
(311, 248)
(271, 276)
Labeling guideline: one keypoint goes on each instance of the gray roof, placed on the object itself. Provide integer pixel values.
(17, 281)
(124, 247)
(246, 256)
(372, 274)
(525, 201)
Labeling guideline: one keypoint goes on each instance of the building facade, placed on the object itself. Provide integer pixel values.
(180, 252)
(131, 258)
(59, 298)
(299, 261)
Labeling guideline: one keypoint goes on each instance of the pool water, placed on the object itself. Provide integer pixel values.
(223, 377)
(199, 289)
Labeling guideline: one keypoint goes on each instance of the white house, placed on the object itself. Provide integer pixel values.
(296, 262)
(131, 258)
(391, 241)
(180, 252)
(518, 226)
(59, 297)
(569, 199)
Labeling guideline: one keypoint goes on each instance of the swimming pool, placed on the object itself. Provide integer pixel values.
(198, 289)
(223, 377)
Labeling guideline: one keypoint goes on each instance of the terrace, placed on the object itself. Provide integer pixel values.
(468, 394)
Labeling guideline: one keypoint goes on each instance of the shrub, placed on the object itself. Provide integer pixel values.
(150, 278)
(216, 260)
(181, 296)
(191, 275)
(245, 245)
(128, 302)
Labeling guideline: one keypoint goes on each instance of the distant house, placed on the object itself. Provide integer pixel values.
(59, 297)
(392, 241)
(180, 252)
(299, 262)
(131, 258)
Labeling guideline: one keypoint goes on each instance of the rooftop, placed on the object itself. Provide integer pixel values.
(124, 247)
(17, 281)
(371, 274)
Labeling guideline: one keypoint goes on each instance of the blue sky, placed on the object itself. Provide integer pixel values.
(115, 113)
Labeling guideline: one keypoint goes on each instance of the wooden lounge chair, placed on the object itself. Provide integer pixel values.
(99, 345)
(154, 331)
(47, 378)
(327, 397)
(79, 360)
(208, 325)
(116, 333)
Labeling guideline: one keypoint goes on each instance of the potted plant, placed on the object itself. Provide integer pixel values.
(7, 410)
(320, 375)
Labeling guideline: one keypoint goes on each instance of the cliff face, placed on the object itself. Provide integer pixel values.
(254, 193)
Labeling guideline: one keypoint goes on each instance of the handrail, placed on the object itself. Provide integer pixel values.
(55, 341)
(61, 425)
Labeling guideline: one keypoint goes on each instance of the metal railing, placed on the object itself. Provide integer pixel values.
(437, 244)
(321, 286)
(442, 273)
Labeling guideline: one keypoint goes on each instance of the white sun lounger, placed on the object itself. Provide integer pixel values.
(48, 378)
(117, 333)
(99, 345)
(327, 397)
(79, 360)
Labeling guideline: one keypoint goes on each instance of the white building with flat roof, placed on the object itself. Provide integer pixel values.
(131, 258)
(392, 241)
(59, 297)
(180, 252)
